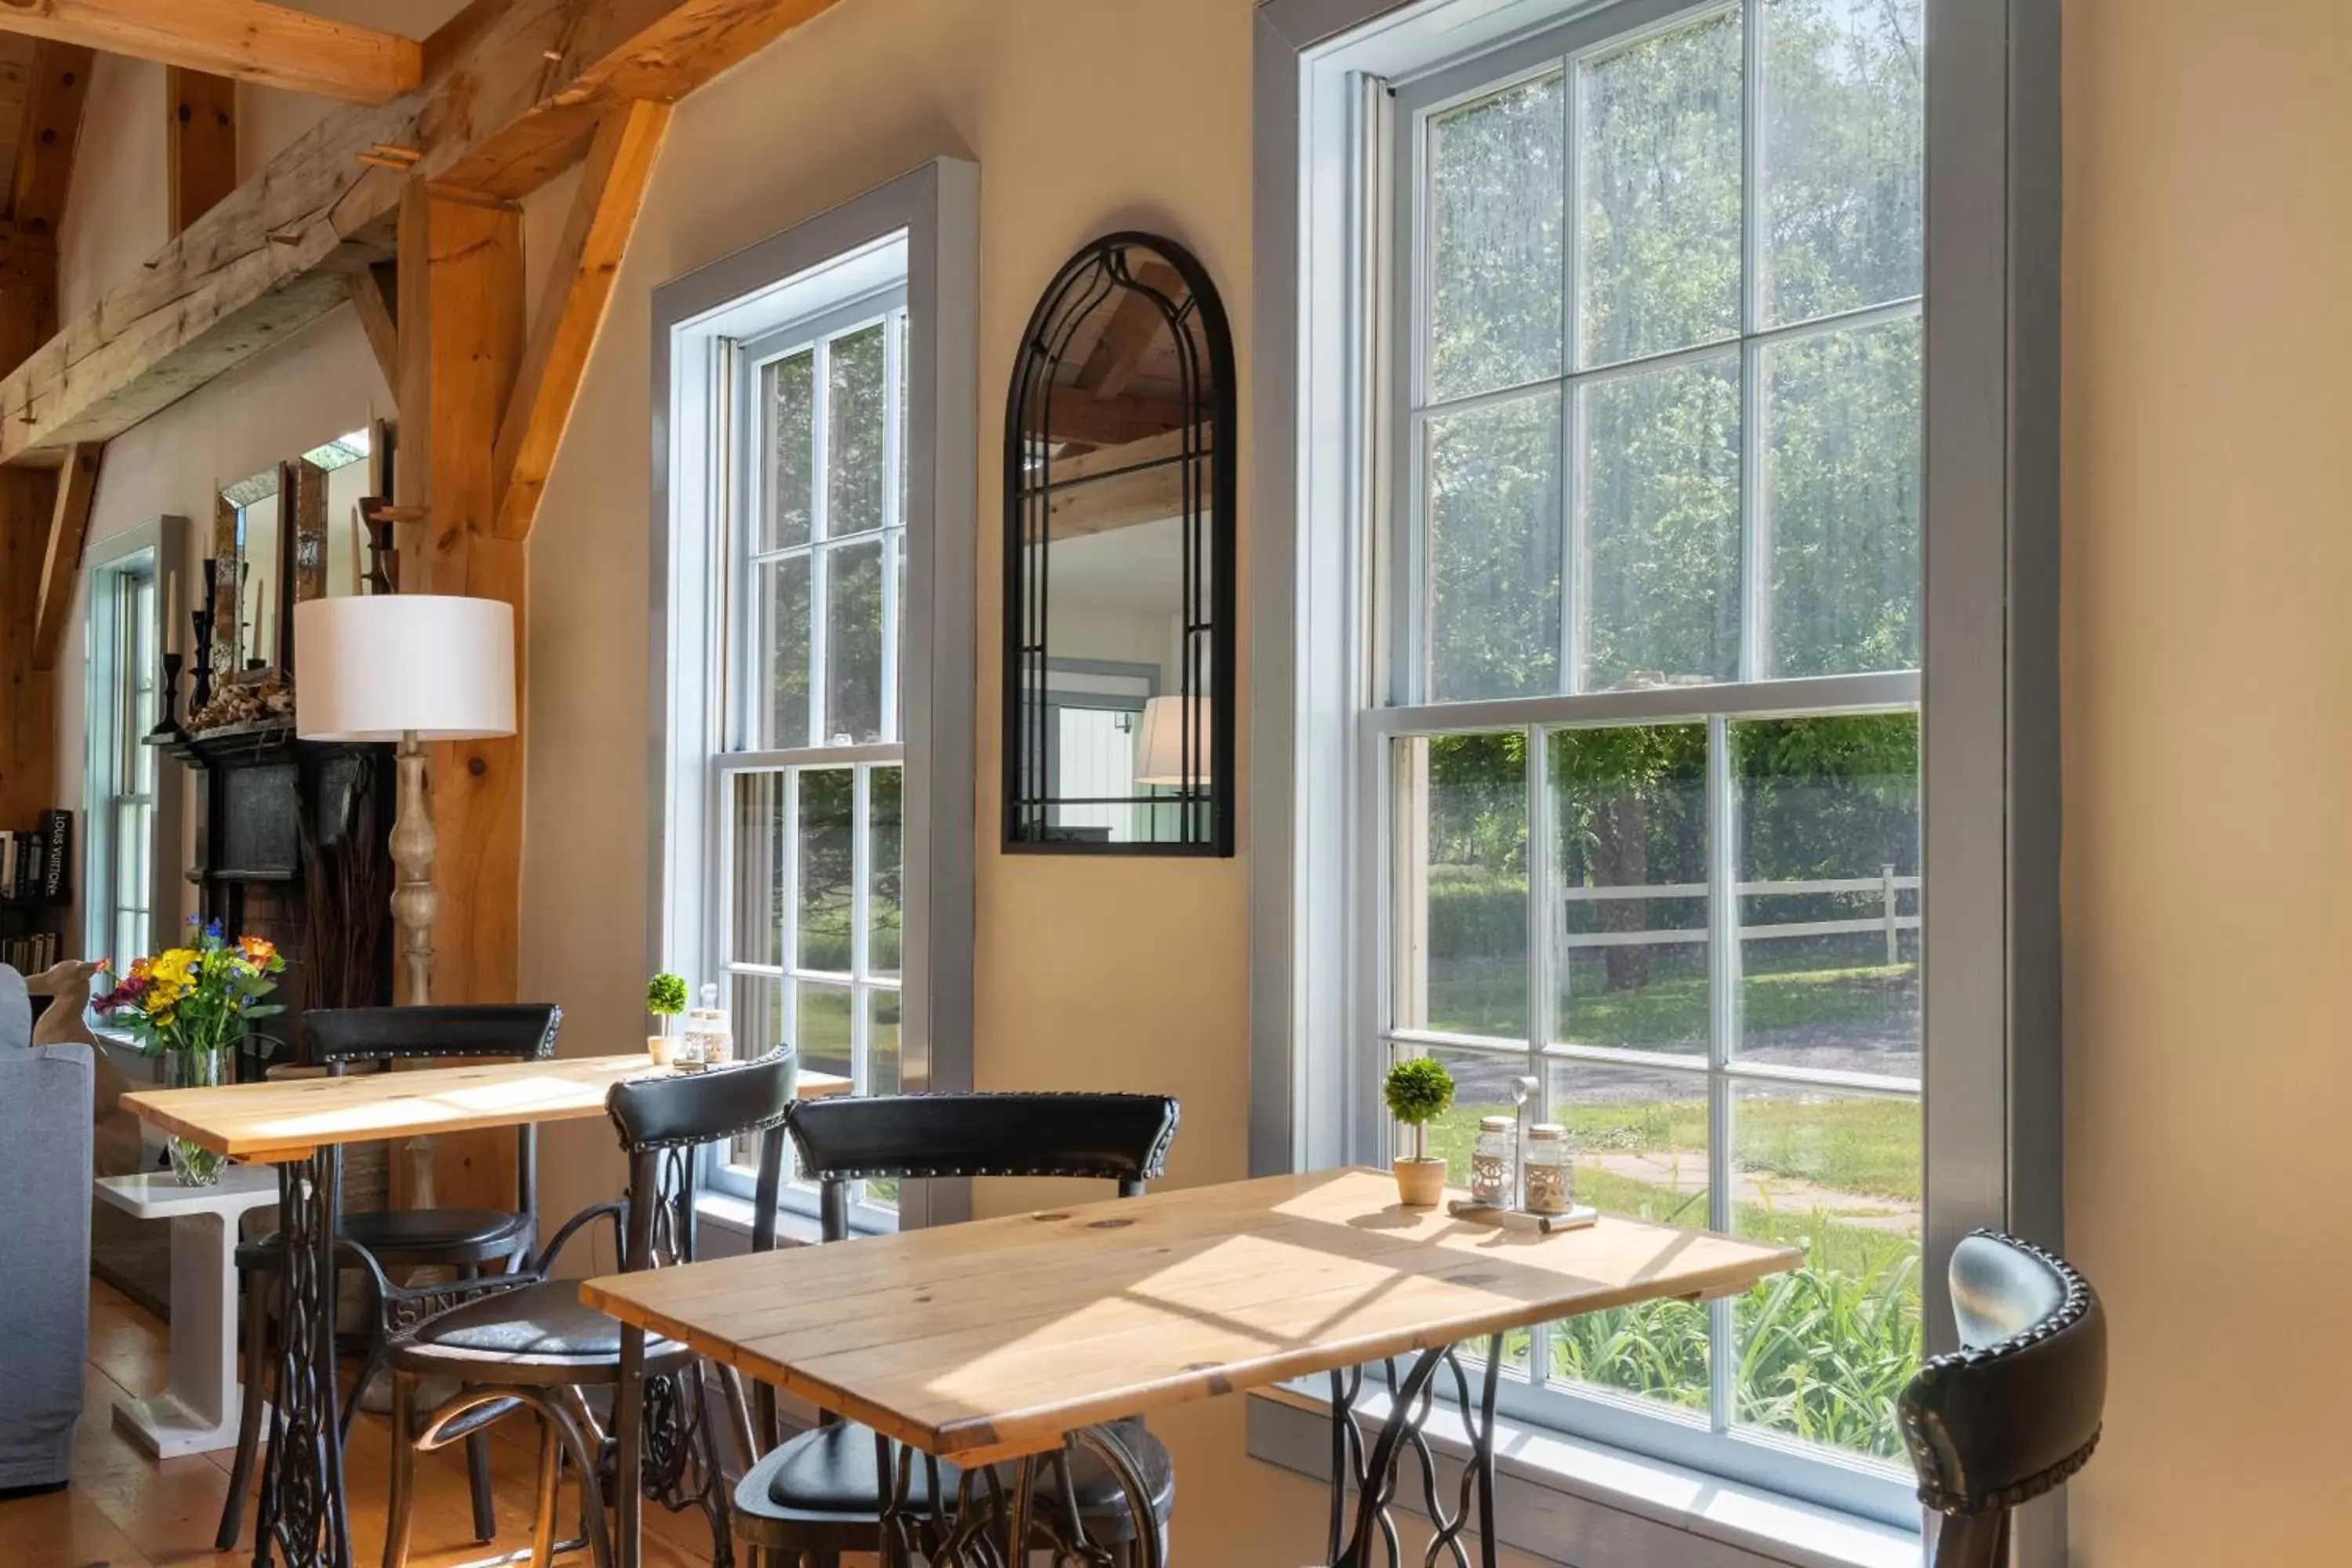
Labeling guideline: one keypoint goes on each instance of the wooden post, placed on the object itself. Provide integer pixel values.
(461, 342)
(28, 315)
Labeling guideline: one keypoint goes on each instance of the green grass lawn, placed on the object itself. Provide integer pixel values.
(1865, 1147)
(1669, 1012)
(1820, 1352)
(1862, 1144)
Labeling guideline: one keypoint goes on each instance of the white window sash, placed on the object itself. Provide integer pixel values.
(152, 552)
(921, 228)
(1327, 348)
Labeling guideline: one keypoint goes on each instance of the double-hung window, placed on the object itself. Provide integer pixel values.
(1653, 532)
(1651, 733)
(1649, 726)
(813, 647)
(130, 850)
(809, 798)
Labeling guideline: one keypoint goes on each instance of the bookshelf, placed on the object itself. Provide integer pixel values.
(36, 891)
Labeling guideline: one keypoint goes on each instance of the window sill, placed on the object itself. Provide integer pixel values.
(730, 1216)
(1562, 1499)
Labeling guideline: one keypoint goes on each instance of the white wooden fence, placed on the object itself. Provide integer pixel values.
(1886, 885)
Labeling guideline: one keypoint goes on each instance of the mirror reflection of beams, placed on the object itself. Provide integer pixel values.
(1119, 560)
(277, 548)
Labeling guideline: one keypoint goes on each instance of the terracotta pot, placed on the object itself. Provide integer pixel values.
(1420, 1183)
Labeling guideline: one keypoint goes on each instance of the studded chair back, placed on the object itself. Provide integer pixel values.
(662, 1120)
(2016, 1410)
(1120, 1138)
(519, 1031)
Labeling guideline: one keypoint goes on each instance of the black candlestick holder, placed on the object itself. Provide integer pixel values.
(201, 695)
(167, 728)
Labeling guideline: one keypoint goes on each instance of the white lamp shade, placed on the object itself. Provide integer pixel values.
(376, 667)
(1160, 750)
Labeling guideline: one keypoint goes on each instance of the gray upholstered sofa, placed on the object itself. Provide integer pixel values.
(45, 1166)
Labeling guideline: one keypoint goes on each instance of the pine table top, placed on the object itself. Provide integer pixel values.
(291, 1118)
(990, 1340)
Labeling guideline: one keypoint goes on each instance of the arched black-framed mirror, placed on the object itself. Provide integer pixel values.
(1119, 559)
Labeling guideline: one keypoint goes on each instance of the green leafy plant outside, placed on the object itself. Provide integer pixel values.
(1418, 1091)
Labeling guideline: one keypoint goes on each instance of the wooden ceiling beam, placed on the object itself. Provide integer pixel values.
(1113, 487)
(61, 563)
(252, 40)
(58, 84)
(513, 90)
(200, 142)
(1109, 421)
(612, 189)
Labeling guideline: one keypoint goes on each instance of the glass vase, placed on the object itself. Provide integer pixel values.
(193, 1164)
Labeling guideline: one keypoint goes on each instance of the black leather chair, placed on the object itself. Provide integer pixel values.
(530, 1342)
(461, 1241)
(2013, 1413)
(818, 1494)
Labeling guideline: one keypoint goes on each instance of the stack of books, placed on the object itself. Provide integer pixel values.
(34, 867)
(29, 954)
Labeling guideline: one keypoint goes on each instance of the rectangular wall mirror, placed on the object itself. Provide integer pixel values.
(281, 538)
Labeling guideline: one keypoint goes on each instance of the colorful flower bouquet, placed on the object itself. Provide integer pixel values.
(194, 1006)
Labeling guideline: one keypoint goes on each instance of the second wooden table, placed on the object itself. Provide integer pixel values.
(297, 1124)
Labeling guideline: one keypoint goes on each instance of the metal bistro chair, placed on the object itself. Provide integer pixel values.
(533, 1343)
(460, 1240)
(2015, 1412)
(818, 1494)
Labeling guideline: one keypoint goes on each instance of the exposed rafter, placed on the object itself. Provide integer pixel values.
(611, 188)
(55, 89)
(512, 92)
(1135, 328)
(250, 39)
(200, 142)
(1142, 482)
(61, 563)
(1111, 421)
(375, 291)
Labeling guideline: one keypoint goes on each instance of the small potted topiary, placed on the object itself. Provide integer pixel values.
(665, 999)
(1418, 1091)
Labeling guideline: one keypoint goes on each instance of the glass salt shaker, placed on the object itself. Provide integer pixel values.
(1491, 1159)
(1547, 1168)
(718, 1041)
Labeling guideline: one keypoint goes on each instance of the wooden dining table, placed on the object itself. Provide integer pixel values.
(1009, 1339)
(297, 1125)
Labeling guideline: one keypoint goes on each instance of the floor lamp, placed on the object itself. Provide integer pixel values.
(410, 668)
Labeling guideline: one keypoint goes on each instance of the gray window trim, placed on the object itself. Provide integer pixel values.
(1994, 1115)
(166, 539)
(937, 208)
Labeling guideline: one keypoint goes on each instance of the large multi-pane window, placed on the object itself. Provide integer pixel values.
(122, 698)
(809, 786)
(1647, 698)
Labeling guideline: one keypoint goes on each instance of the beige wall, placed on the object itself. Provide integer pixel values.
(2209, 736)
(863, 94)
(1084, 116)
(2208, 732)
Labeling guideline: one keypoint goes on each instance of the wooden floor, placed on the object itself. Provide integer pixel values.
(127, 1510)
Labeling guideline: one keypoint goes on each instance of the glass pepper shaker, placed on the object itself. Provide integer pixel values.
(1547, 1168)
(1491, 1161)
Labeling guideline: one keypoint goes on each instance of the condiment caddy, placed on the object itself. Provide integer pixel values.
(1520, 1173)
